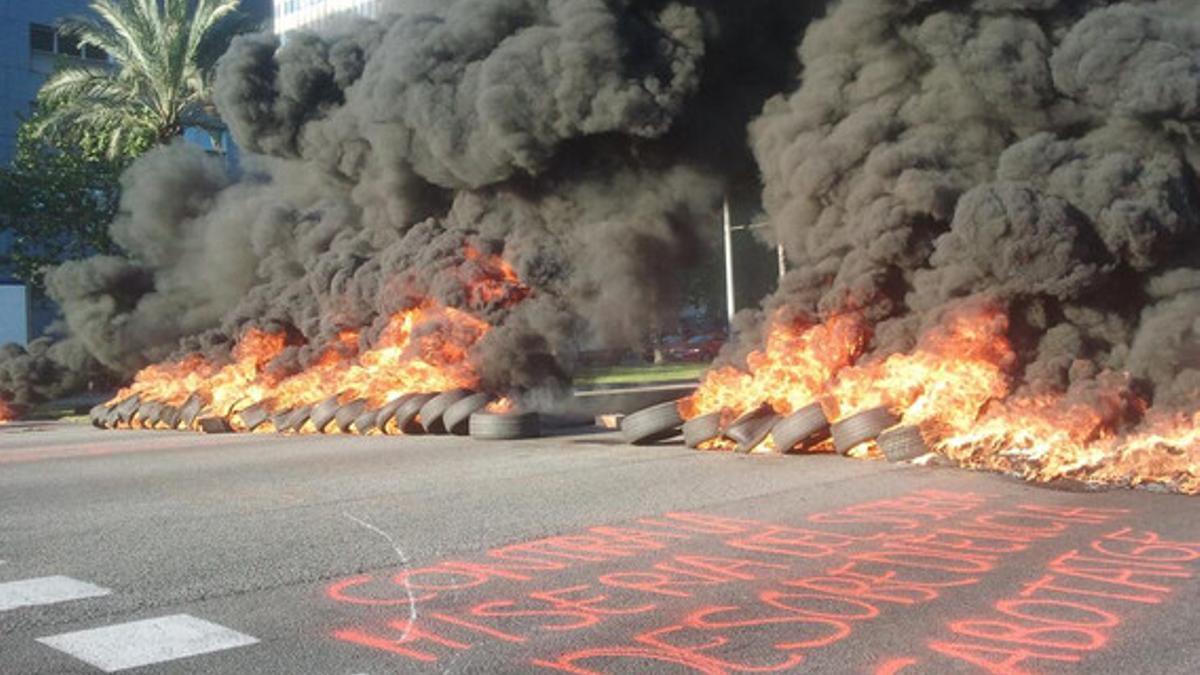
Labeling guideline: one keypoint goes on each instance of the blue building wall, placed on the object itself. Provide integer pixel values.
(23, 69)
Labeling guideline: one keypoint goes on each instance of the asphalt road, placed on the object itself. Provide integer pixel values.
(574, 554)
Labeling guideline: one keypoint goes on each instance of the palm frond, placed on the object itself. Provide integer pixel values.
(161, 67)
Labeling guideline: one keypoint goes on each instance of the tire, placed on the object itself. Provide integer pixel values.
(485, 426)
(457, 418)
(750, 430)
(806, 426)
(323, 413)
(280, 419)
(432, 412)
(128, 408)
(348, 414)
(405, 420)
(652, 425)
(112, 419)
(255, 416)
(861, 427)
(366, 423)
(297, 419)
(698, 431)
(900, 444)
(215, 425)
(388, 411)
(98, 414)
(147, 415)
(190, 410)
(169, 419)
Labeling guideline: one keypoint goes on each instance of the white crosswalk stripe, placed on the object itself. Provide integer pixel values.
(142, 643)
(46, 591)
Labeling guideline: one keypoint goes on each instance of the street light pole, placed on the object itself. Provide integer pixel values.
(730, 302)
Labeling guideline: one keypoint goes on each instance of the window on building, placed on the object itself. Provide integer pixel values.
(94, 53)
(41, 38)
(68, 45)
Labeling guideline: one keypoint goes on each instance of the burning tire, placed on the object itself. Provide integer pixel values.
(215, 425)
(280, 419)
(404, 420)
(126, 409)
(147, 415)
(698, 431)
(388, 411)
(432, 412)
(750, 430)
(487, 426)
(348, 414)
(323, 413)
(900, 444)
(366, 423)
(190, 410)
(457, 418)
(861, 427)
(98, 414)
(653, 424)
(255, 416)
(296, 420)
(806, 425)
(169, 419)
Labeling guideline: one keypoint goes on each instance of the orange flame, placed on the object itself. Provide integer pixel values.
(502, 406)
(423, 349)
(943, 384)
(1044, 438)
(7, 412)
(955, 384)
(790, 372)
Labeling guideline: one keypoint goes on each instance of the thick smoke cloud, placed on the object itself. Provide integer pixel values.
(1042, 153)
(587, 141)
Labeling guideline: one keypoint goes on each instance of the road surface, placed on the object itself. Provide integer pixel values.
(160, 552)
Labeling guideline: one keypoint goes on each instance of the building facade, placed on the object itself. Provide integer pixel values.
(313, 15)
(30, 47)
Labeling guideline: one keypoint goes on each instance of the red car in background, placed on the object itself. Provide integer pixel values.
(695, 349)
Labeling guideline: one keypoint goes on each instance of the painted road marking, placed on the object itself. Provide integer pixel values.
(143, 643)
(46, 591)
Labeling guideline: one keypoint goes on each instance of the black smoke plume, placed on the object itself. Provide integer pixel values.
(587, 141)
(1041, 153)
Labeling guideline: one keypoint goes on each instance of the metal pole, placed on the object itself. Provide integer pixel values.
(782, 262)
(730, 302)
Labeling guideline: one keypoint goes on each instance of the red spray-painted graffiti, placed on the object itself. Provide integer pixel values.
(715, 594)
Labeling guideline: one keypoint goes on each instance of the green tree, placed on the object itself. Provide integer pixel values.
(58, 197)
(162, 53)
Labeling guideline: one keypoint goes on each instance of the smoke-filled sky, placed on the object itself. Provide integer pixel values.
(911, 153)
(1041, 153)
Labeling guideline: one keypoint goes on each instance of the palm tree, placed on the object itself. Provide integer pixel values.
(162, 56)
